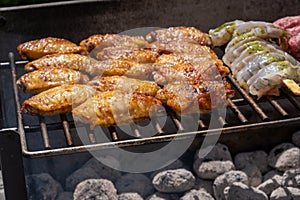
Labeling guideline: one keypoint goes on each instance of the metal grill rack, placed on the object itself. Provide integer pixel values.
(243, 113)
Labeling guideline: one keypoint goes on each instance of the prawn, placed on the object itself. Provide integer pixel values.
(223, 34)
(254, 47)
(252, 67)
(268, 80)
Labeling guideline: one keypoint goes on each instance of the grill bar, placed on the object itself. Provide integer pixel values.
(113, 134)
(277, 106)
(251, 102)
(92, 137)
(237, 111)
(44, 133)
(201, 124)
(176, 121)
(292, 99)
(158, 128)
(136, 131)
(66, 128)
(236, 105)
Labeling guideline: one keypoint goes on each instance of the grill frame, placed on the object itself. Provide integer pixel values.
(182, 134)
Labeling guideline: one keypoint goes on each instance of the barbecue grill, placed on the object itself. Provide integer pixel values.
(249, 123)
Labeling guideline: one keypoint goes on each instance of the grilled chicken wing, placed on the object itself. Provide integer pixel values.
(108, 40)
(129, 85)
(57, 100)
(183, 47)
(72, 61)
(187, 34)
(38, 48)
(91, 66)
(45, 78)
(121, 67)
(121, 53)
(198, 61)
(173, 68)
(186, 99)
(115, 108)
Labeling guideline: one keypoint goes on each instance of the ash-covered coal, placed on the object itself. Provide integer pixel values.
(218, 175)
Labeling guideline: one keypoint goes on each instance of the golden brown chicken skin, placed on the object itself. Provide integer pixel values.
(72, 61)
(93, 67)
(121, 53)
(187, 34)
(186, 99)
(46, 78)
(120, 68)
(129, 85)
(182, 47)
(108, 40)
(173, 67)
(38, 48)
(57, 100)
(115, 108)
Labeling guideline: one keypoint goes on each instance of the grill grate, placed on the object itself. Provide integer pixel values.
(243, 113)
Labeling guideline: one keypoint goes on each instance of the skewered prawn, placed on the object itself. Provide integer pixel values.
(237, 41)
(264, 30)
(268, 80)
(255, 65)
(260, 29)
(223, 34)
(252, 48)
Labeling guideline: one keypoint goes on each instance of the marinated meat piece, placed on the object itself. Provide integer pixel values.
(72, 61)
(198, 61)
(294, 44)
(183, 47)
(38, 48)
(294, 31)
(115, 107)
(121, 53)
(57, 100)
(108, 40)
(187, 34)
(184, 58)
(288, 22)
(292, 25)
(174, 73)
(119, 68)
(129, 85)
(46, 78)
(173, 68)
(93, 67)
(186, 99)
(91, 42)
